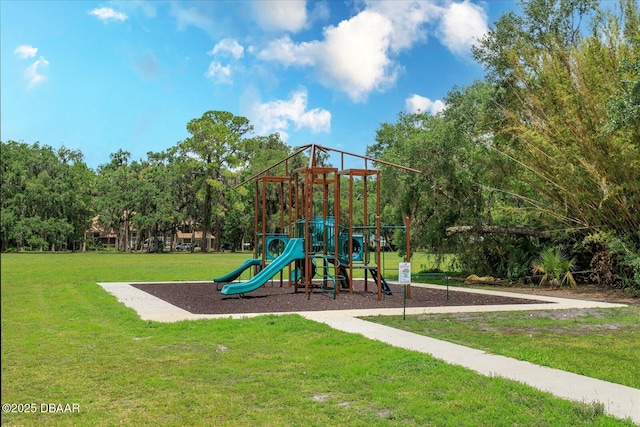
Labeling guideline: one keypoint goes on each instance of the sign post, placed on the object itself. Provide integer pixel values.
(404, 278)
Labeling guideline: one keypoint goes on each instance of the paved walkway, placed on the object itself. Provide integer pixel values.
(619, 401)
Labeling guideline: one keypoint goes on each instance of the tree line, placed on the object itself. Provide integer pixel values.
(540, 154)
(50, 197)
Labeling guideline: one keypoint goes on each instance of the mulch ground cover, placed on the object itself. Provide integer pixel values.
(204, 298)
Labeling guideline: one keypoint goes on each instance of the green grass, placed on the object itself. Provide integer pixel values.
(66, 341)
(419, 261)
(599, 343)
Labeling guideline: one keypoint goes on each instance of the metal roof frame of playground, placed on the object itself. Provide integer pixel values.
(312, 157)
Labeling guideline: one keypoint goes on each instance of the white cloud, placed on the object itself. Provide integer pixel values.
(352, 58)
(26, 51)
(358, 55)
(148, 9)
(223, 73)
(417, 104)
(108, 14)
(277, 116)
(408, 19)
(219, 73)
(355, 56)
(285, 51)
(34, 73)
(319, 12)
(192, 17)
(230, 46)
(461, 26)
(278, 15)
(134, 6)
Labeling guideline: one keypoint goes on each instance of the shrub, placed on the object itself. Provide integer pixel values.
(555, 268)
(615, 261)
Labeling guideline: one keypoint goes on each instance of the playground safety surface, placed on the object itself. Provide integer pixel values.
(204, 298)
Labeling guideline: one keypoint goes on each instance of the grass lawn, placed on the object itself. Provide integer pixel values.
(66, 341)
(598, 343)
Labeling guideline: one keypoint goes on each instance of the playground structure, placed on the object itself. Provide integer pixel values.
(305, 221)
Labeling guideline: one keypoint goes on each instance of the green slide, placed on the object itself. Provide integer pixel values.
(293, 251)
(233, 275)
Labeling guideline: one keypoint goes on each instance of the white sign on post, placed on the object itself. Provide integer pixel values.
(404, 273)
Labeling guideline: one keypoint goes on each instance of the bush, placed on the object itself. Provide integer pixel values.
(555, 267)
(615, 262)
(503, 256)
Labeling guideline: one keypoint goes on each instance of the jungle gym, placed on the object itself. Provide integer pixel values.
(315, 231)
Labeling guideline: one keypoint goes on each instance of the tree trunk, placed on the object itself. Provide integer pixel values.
(207, 220)
(217, 234)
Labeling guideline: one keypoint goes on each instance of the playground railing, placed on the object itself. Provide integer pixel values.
(324, 272)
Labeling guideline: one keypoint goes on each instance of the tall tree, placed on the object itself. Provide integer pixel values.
(568, 108)
(256, 154)
(463, 201)
(116, 197)
(215, 142)
(448, 191)
(45, 197)
(164, 201)
(567, 92)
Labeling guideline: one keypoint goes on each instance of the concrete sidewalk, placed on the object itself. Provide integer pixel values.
(619, 401)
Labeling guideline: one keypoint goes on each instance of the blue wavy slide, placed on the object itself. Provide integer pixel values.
(293, 251)
(233, 275)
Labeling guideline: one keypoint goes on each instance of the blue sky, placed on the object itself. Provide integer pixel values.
(103, 76)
